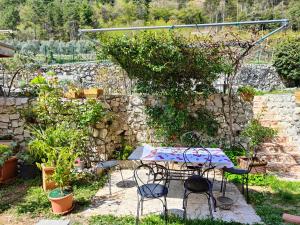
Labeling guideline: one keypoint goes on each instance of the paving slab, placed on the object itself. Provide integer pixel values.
(123, 201)
(53, 222)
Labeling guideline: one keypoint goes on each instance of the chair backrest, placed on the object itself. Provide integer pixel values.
(196, 148)
(150, 174)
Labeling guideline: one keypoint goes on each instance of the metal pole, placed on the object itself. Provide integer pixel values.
(284, 22)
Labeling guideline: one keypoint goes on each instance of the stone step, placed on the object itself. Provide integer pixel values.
(284, 168)
(279, 158)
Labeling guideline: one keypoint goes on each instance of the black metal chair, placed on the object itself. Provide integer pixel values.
(106, 165)
(244, 172)
(199, 183)
(151, 183)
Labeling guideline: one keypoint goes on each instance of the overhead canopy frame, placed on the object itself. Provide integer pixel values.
(284, 23)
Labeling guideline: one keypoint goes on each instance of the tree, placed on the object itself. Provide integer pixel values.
(294, 14)
(86, 14)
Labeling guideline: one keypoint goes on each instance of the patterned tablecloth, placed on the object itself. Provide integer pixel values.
(175, 154)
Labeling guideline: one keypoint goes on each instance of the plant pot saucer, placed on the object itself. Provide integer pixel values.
(65, 212)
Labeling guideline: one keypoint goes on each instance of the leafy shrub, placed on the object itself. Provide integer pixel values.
(124, 152)
(258, 133)
(247, 90)
(287, 59)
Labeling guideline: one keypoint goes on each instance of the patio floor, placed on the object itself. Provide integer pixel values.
(123, 201)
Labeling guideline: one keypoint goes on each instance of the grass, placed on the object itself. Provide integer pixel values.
(153, 220)
(273, 92)
(29, 198)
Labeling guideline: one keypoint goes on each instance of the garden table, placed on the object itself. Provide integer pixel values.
(175, 154)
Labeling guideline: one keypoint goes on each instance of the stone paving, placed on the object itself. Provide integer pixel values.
(123, 201)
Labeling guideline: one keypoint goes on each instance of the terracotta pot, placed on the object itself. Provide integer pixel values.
(291, 218)
(62, 205)
(47, 172)
(258, 166)
(93, 92)
(9, 170)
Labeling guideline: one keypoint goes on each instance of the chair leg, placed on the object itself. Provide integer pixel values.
(109, 181)
(138, 212)
(224, 186)
(222, 181)
(209, 206)
(122, 176)
(142, 207)
(185, 199)
(243, 185)
(247, 188)
(166, 210)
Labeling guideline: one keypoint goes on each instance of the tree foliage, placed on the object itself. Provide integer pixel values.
(287, 59)
(56, 19)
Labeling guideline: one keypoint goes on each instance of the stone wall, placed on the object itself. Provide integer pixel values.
(281, 112)
(129, 124)
(10, 121)
(114, 81)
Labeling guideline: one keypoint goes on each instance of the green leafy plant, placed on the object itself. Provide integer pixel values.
(287, 59)
(258, 133)
(174, 69)
(124, 152)
(62, 173)
(5, 153)
(247, 90)
(48, 144)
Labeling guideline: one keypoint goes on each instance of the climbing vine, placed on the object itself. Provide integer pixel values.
(176, 70)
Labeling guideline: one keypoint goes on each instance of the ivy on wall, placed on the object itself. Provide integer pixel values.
(174, 68)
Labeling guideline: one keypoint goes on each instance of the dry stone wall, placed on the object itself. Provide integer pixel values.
(114, 80)
(129, 123)
(280, 112)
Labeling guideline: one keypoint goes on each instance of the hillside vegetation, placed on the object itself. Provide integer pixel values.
(60, 19)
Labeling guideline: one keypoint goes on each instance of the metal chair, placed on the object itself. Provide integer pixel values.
(244, 172)
(106, 165)
(151, 183)
(199, 184)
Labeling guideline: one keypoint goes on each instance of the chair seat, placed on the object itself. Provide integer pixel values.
(197, 184)
(235, 170)
(152, 190)
(107, 164)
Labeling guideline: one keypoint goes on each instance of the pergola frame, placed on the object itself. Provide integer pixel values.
(284, 23)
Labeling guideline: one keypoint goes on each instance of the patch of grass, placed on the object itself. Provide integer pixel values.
(153, 220)
(279, 196)
(284, 91)
(33, 201)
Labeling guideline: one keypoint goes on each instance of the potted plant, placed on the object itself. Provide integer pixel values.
(8, 164)
(28, 168)
(61, 198)
(257, 134)
(247, 93)
(47, 145)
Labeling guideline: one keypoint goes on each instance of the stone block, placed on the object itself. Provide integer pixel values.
(14, 116)
(4, 118)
